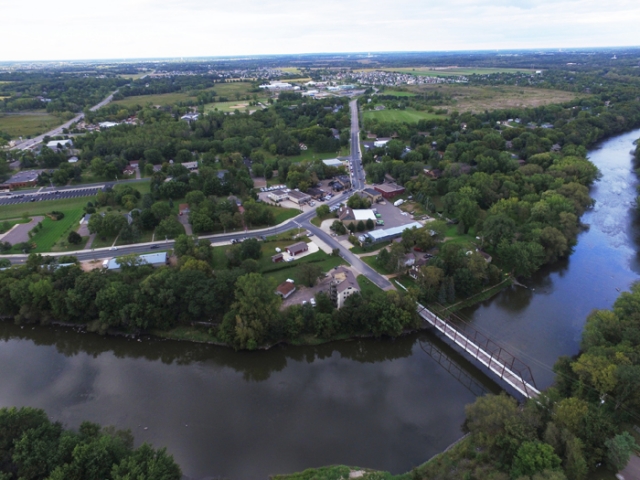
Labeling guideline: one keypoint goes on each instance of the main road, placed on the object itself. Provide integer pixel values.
(301, 221)
(23, 145)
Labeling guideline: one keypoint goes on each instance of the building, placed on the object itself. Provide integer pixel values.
(73, 160)
(343, 285)
(315, 193)
(373, 194)
(349, 215)
(134, 163)
(190, 165)
(414, 271)
(190, 117)
(389, 190)
(107, 124)
(277, 258)
(342, 182)
(299, 197)
(286, 289)
(129, 170)
(60, 144)
(221, 176)
(384, 235)
(26, 178)
(277, 86)
(278, 195)
(153, 259)
(333, 162)
(297, 248)
(381, 142)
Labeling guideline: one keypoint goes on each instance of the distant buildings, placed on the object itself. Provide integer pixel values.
(333, 162)
(190, 117)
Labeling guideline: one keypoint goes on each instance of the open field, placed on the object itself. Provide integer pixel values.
(42, 208)
(397, 93)
(408, 115)
(160, 99)
(481, 98)
(283, 214)
(455, 71)
(133, 76)
(28, 124)
(311, 155)
(54, 232)
(241, 105)
(367, 286)
(230, 89)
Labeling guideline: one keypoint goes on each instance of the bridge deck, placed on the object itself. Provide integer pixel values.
(496, 365)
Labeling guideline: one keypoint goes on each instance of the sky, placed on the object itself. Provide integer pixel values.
(124, 29)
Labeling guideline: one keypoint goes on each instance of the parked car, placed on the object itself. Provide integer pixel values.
(153, 247)
(113, 248)
(312, 302)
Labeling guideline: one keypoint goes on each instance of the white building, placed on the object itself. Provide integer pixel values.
(60, 144)
(343, 285)
(154, 259)
(278, 195)
(277, 86)
(380, 143)
(333, 162)
(108, 124)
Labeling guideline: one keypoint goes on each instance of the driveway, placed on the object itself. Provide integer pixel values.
(20, 232)
(184, 220)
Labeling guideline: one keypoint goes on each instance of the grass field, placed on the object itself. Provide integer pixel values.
(480, 98)
(311, 155)
(241, 105)
(408, 115)
(367, 286)
(230, 89)
(373, 263)
(42, 208)
(397, 93)
(454, 71)
(53, 233)
(28, 124)
(160, 99)
(133, 76)
(283, 214)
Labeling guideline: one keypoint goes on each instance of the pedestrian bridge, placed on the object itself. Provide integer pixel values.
(500, 362)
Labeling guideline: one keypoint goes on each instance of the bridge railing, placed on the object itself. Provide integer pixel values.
(477, 344)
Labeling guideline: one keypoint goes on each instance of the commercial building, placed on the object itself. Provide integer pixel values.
(349, 215)
(333, 162)
(373, 194)
(315, 193)
(60, 144)
(26, 178)
(389, 190)
(384, 235)
(343, 285)
(154, 259)
(190, 165)
(297, 248)
(299, 197)
(278, 195)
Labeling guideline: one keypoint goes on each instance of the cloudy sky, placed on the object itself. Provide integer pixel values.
(117, 29)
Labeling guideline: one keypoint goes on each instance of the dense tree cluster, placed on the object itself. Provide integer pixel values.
(32, 447)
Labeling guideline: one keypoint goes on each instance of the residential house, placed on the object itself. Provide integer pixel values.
(373, 194)
(277, 258)
(286, 289)
(349, 215)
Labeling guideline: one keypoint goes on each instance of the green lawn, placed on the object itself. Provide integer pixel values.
(28, 124)
(371, 248)
(373, 263)
(367, 286)
(54, 233)
(397, 93)
(283, 214)
(292, 269)
(467, 240)
(160, 99)
(241, 105)
(407, 115)
(311, 155)
(230, 90)
(42, 208)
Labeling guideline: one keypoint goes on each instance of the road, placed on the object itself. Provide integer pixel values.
(23, 145)
(301, 221)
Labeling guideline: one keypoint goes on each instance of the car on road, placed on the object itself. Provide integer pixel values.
(153, 247)
(113, 248)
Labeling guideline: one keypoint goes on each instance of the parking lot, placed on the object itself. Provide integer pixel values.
(16, 198)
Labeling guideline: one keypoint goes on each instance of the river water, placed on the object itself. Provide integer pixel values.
(386, 404)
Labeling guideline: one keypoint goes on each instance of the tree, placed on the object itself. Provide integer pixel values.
(309, 273)
(534, 457)
(360, 227)
(170, 228)
(146, 463)
(250, 248)
(74, 238)
(338, 227)
(323, 211)
(619, 450)
(370, 225)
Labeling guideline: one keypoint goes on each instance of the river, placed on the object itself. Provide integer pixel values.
(386, 404)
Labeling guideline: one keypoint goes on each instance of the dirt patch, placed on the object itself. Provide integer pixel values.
(20, 232)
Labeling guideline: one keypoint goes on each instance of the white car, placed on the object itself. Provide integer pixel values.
(113, 248)
(312, 302)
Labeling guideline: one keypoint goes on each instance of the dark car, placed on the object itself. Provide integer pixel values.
(153, 247)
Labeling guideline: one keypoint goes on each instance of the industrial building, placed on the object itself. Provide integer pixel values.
(59, 144)
(384, 235)
(333, 162)
(299, 197)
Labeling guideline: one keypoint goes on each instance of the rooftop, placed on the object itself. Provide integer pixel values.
(297, 195)
(24, 176)
(389, 187)
(332, 162)
(344, 278)
(383, 233)
(286, 288)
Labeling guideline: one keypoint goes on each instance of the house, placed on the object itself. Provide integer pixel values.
(381, 142)
(389, 190)
(373, 194)
(157, 168)
(414, 271)
(85, 218)
(286, 289)
(26, 178)
(333, 162)
(278, 195)
(349, 215)
(342, 182)
(190, 117)
(343, 285)
(277, 258)
(433, 173)
(297, 248)
(299, 197)
(107, 124)
(60, 144)
(409, 259)
(190, 165)
(129, 170)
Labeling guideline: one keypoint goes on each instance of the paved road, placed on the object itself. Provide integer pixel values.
(58, 130)
(301, 221)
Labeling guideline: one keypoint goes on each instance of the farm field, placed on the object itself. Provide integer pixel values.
(28, 124)
(455, 71)
(408, 115)
(160, 99)
(467, 98)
